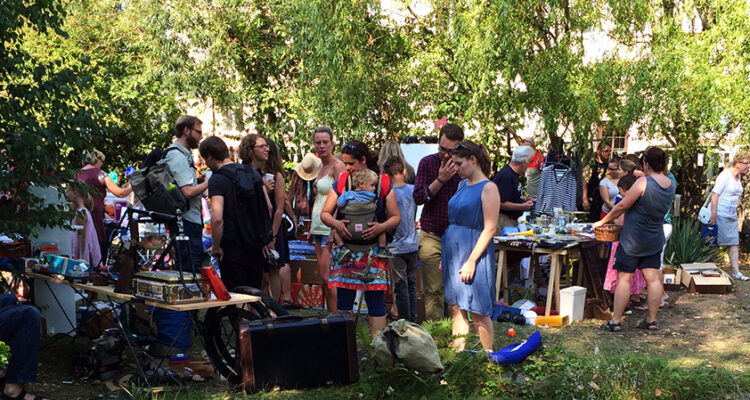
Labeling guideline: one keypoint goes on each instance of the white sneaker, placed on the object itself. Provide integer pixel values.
(740, 277)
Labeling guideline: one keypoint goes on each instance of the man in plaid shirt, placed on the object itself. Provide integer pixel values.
(436, 182)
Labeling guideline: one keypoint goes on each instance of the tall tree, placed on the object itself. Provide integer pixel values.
(45, 118)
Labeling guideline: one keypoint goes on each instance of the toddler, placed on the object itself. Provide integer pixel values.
(358, 207)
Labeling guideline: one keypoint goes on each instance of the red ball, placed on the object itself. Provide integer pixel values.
(511, 332)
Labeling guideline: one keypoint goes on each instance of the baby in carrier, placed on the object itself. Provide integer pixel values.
(358, 206)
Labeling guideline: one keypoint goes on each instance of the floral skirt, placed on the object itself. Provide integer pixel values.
(349, 275)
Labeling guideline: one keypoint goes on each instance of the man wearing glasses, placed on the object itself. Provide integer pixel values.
(188, 132)
(436, 182)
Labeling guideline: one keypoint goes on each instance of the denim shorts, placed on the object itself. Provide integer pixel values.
(322, 239)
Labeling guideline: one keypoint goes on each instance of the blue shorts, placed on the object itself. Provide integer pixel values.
(626, 263)
(322, 239)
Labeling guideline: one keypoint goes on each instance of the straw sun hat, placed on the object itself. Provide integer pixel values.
(309, 167)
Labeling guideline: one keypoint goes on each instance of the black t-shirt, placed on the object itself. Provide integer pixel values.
(220, 185)
(510, 189)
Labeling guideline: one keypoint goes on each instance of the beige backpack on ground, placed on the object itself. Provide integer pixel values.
(407, 343)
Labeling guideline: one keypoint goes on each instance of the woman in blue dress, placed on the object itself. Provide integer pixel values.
(468, 257)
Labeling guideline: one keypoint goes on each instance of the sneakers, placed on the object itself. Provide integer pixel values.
(740, 277)
(344, 255)
(381, 252)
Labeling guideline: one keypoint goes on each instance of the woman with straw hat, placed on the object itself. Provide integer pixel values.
(302, 184)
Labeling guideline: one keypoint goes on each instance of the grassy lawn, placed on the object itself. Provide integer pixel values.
(701, 351)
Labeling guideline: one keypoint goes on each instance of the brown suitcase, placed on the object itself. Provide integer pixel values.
(297, 352)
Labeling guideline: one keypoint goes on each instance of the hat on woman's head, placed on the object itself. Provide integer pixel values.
(309, 167)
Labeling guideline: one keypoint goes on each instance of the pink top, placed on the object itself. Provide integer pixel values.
(89, 251)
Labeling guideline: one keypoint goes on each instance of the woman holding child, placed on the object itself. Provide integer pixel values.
(362, 269)
(642, 237)
(468, 257)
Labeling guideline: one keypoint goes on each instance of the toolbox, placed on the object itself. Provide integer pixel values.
(166, 287)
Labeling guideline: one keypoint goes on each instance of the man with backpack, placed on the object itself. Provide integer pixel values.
(188, 130)
(170, 324)
(240, 221)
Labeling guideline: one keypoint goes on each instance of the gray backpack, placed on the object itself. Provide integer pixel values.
(155, 187)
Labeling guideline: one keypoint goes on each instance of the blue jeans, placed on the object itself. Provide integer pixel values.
(19, 329)
(169, 322)
(404, 277)
(194, 232)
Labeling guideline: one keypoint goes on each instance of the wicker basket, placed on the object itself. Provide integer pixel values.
(607, 233)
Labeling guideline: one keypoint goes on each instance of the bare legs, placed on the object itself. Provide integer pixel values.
(655, 291)
(734, 257)
(285, 275)
(323, 254)
(482, 324)
(622, 295)
(376, 324)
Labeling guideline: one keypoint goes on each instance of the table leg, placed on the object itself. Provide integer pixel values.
(556, 259)
(501, 267)
(553, 277)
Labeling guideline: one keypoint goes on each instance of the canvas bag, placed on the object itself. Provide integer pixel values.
(407, 343)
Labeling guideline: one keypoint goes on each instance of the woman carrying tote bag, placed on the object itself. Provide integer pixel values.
(724, 200)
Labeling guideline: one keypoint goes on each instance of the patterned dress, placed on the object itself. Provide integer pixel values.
(466, 222)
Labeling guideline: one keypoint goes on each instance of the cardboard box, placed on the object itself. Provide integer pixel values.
(697, 278)
(672, 279)
(305, 271)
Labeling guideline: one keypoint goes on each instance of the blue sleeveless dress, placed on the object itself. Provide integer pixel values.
(465, 224)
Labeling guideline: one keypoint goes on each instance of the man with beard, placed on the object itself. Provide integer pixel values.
(188, 131)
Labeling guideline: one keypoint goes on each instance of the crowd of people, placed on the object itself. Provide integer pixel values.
(360, 210)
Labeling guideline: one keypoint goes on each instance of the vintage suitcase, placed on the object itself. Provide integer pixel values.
(295, 352)
(165, 286)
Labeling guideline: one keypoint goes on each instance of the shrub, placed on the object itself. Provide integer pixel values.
(686, 245)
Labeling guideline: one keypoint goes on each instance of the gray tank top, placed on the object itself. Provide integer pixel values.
(642, 232)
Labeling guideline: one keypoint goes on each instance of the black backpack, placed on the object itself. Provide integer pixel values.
(253, 221)
(155, 187)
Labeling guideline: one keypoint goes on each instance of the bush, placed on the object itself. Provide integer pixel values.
(686, 245)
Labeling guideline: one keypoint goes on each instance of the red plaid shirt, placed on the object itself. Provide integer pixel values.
(435, 212)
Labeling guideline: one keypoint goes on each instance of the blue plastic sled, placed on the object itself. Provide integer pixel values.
(517, 352)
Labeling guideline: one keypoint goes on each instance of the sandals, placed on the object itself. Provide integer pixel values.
(613, 327)
(20, 396)
(648, 325)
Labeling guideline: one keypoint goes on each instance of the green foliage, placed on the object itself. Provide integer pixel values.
(45, 117)
(4, 354)
(686, 245)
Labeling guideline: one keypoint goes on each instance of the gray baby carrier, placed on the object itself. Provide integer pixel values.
(359, 214)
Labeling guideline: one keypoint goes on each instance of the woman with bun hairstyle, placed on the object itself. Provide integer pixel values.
(468, 255)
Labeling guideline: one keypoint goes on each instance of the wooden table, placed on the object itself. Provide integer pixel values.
(553, 287)
(109, 291)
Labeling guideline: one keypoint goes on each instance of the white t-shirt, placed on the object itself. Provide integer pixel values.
(612, 190)
(729, 191)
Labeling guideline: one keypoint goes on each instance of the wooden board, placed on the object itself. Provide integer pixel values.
(109, 291)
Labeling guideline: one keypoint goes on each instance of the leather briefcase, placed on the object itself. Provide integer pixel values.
(296, 352)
